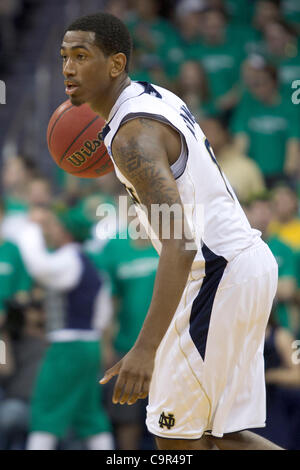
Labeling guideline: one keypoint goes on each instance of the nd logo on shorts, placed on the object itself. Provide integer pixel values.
(168, 421)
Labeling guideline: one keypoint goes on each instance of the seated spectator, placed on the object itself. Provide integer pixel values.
(188, 21)
(266, 126)
(286, 223)
(265, 11)
(242, 172)
(282, 50)
(282, 388)
(221, 57)
(150, 33)
(246, 20)
(260, 215)
(192, 87)
(239, 11)
(25, 346)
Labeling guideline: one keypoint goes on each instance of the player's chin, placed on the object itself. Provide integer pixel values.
(76, 101)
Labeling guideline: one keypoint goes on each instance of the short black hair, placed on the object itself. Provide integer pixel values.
(112, 36)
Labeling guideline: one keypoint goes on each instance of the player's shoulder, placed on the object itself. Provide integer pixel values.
(150, 95)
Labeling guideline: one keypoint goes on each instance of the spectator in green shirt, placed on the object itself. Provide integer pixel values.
(266, 126)
(240, 10)
(192, 87)
(260, 215)
(14, 279)
(265, 11)
(221, 56)
(188, 21)
(247, 21)
(150, 34)
(291, 12)
(282, 50)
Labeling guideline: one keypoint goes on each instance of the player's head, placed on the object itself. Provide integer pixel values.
(96, 50)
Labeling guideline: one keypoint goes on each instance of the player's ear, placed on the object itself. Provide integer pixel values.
(118, 64)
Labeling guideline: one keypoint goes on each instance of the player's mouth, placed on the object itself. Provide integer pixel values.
(71, 87)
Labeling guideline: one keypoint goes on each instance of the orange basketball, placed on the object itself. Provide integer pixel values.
(75, 141)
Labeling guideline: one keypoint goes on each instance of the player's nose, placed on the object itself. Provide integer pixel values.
(69, 69)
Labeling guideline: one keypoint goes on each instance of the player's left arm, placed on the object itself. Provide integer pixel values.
(143, 150)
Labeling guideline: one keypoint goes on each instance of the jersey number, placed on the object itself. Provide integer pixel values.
(188, 118)
(211, 153)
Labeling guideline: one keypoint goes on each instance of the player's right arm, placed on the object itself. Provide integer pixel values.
(143, 150)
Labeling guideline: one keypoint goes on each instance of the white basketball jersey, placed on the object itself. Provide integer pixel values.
(214, 213)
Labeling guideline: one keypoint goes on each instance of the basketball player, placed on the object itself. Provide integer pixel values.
(199, 353)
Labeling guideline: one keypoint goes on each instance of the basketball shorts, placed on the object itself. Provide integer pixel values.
(67, 393)
(209, 368)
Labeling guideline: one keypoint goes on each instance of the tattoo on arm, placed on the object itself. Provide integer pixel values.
(150, 179)
(141, 156)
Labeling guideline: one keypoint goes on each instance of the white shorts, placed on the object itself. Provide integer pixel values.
(209, 367)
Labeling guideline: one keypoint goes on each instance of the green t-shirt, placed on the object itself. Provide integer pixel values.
(175, 52)
(288, 69)
(13, 275)
(150, 38)
(250, 39)
(291, 11)
(221, 63)
(269, 127)
(131, 270)
(286, 261)
(240, 11)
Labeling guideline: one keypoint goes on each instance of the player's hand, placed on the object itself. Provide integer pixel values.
(134, 375)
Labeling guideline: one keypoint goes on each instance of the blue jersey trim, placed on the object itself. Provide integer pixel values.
(203, 303)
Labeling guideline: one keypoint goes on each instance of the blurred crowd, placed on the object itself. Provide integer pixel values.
(236, 64)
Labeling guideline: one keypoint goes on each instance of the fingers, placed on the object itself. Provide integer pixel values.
(135, 395)
(130, 389)
(121, 384)
(110, 373)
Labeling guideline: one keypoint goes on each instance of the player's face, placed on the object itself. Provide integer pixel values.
(85, 68)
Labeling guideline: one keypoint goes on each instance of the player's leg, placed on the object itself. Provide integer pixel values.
(205, 443)
(90, 421)
(191, 378)
(244, 440)
(55, 396)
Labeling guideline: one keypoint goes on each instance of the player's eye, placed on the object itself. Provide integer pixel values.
(81, 56)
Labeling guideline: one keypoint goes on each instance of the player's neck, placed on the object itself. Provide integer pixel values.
(104, 107)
